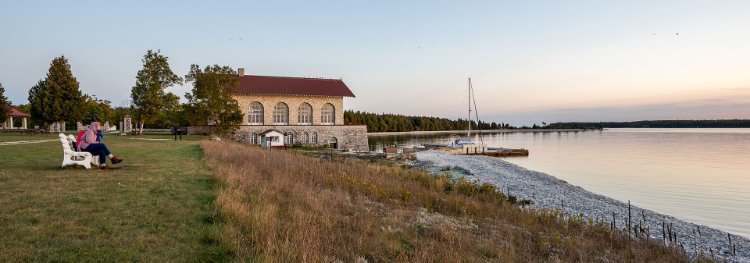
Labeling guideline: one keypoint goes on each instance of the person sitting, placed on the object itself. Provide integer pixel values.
(88, 143)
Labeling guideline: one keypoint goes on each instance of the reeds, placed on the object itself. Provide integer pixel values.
(280, 206)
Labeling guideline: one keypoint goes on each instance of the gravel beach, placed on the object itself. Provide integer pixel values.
(547, 191)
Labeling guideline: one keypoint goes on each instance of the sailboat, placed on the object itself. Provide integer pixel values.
(461, 142)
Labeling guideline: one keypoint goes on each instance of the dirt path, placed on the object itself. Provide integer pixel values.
(24, 142)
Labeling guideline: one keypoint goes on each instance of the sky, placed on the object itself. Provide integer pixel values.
(529, 61)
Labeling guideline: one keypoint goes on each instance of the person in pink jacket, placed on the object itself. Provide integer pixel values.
(88, 143)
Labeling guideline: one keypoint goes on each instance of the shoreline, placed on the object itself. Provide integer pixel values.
(382, 134)
(549, 192)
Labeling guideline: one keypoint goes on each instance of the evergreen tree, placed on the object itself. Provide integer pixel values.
(57, 97)
(400, 123)
(4, 105)
(211, 99)
(148, 95)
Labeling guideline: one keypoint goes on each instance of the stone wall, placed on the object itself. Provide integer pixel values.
(293, 102)
(348, 137)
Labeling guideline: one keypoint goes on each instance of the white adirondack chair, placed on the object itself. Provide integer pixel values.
(72, 157)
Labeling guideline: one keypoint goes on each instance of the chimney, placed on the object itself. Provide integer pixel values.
(241, 71)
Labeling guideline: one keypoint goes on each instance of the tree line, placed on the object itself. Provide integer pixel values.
(730, 123)
(387, 122)
(57, 98)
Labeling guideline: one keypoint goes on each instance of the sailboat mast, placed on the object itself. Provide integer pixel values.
(469, 119)
(476, 114)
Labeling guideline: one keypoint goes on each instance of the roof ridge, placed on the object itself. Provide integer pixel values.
(287, 77)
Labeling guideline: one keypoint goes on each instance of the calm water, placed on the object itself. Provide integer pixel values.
(699, 175)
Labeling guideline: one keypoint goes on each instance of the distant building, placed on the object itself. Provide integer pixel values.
(15, 113)
(307, 111)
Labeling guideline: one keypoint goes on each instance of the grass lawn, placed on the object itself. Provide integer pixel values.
(158, 207)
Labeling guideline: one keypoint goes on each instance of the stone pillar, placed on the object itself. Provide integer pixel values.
(79, 126)
(106, 126)
(10, 122)
(58, 126)
(23, 124)
(122, 128)
(127, 124)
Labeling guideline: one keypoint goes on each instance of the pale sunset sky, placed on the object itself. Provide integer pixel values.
(530, 61)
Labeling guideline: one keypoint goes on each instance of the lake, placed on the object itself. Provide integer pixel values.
(698, 175)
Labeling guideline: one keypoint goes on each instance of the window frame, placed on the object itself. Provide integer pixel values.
(252, 114)
(281, 118)
(289, 138)
(305, 118)
(328, 116)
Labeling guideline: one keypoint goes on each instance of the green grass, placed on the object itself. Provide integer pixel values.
(12, 137)
(158, 207)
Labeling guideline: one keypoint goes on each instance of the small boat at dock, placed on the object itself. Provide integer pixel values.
(466, 146)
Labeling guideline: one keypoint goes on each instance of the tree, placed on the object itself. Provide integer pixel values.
(211, 99)
(97, 110)
(4, 105)
(118, 113)
(148, 94)
(57, 97)
(171, 115)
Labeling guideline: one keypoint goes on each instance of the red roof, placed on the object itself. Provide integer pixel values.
(270, 85)
(16, 113)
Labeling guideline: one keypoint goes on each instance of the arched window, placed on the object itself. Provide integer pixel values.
(255, 113)
(305, 114)
(253, 138)
(288, 138)
(305, 138)
(314, 138)
(328, 114)
(281, 114)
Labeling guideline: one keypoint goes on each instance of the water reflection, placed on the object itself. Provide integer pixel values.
(700, 175)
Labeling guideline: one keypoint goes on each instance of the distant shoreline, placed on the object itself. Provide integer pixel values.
(378, 134)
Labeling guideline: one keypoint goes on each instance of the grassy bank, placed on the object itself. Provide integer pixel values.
(158, 208)
(282, 206)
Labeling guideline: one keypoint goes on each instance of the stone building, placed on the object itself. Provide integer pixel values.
(307, 111)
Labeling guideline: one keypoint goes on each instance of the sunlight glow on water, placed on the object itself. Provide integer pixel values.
(699, 175)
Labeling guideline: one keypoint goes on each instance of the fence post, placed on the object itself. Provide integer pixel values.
(629, 219)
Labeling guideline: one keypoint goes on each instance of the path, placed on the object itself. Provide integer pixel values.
(24, 142)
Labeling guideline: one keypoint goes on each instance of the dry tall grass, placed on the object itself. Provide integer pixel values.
(280, 206)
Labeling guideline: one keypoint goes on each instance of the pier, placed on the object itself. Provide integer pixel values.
(481, 149)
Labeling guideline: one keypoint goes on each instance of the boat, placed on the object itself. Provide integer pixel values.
(466, 146)
(462, 142)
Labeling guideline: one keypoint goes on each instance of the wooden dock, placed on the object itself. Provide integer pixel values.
(484, 150)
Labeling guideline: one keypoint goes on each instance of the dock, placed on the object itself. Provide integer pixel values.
(484, 150)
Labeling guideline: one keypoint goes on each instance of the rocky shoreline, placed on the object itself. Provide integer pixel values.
(549, 192)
